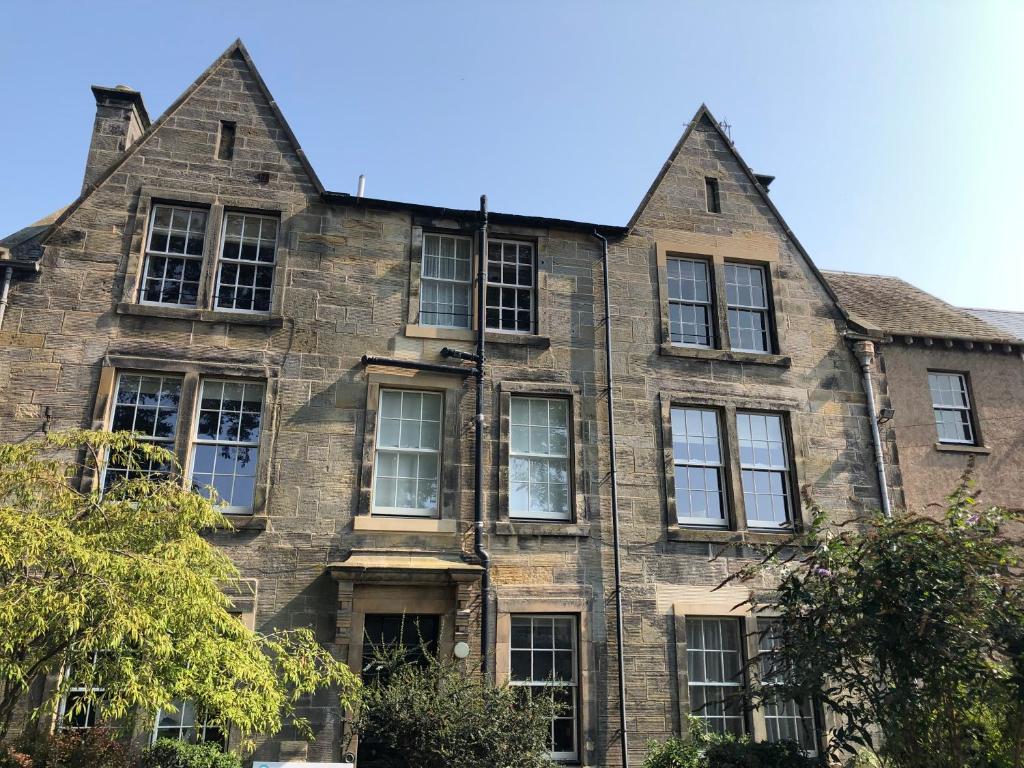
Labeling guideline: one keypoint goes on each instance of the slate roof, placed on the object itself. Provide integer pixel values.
(1010, 322)
(897, 308)
(25, 244)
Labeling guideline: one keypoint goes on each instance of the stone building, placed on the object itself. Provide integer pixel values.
(954, 380)
(205, 276)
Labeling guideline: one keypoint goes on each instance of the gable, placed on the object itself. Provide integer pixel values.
(178, 149)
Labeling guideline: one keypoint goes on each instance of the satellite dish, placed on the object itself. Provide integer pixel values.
(461, 650)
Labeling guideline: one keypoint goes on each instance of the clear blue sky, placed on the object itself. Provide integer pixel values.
(895, 128)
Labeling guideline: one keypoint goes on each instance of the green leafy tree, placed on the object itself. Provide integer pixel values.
(910, 631)
(435, 714)
(128, 573)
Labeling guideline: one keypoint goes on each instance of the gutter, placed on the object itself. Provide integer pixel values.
(609, 381)
(864, 349)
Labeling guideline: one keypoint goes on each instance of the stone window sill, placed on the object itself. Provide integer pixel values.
(414, 331)
(518, 339)
(199, 315)
(254, 522)
(699, 353)
(722, 536)
(534, 528)
(958, 448)
(382, 524)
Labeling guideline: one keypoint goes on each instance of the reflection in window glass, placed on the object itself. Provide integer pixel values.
(245, 270)
(952, 406)
(510, 280)
(148, 406)
(539, 459)
(715, 673)
(445, 281)
(689, 302)
(174, 255)
(697, 455)
(746, 294)
(764, 469)
(407, 462)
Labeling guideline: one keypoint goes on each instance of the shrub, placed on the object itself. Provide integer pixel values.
(83, 749)
(168, 753)
(702, 749)
(12, 758)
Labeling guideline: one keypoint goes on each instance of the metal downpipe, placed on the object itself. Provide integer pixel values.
(478, 478)
(865, 351)
(609, 379)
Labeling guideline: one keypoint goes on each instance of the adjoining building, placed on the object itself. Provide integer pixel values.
(206, 277)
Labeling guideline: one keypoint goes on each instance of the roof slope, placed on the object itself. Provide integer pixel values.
(894, 306)
(24, 244)
(1010, 322)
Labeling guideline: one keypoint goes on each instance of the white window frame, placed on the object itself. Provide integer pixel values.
(780, 711)
(572, 685)
(532, 288)
(965, 411)
(239, 262)
(377, 449)
(91, 707)
(707, 305)
(193, 734)
(783, 470)
(719, 467)
(252, 444)
(763, 310)
(739, 685)
(547, 458)
(468, 282)
(169, 442)
(148, 251)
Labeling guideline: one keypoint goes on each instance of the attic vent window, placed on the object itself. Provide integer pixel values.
(711, 190)
(226, 140)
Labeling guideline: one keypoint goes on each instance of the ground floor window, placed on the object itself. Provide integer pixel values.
(544, 659)
(714, 661)
(80, 707)
(186, 724)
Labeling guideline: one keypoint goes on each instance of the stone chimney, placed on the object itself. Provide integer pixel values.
(120, 120)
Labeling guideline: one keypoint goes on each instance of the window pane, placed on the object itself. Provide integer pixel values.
(697, 454)
(538, 458)
(952, 406)
(510, 278)
(689, 297)
(715, 670)
(764, 469)
(746, 292)
(445, 281)
(407, 455)
(246, 268)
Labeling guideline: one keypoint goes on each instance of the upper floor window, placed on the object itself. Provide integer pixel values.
(174, 255)
(511, 279)
(407, 463)
(764, 468)
(543, 658)
(445, 282)
(951, 403)
(746, 292)
(147, 405)
(225, 452)
(697, 455)
(539, 458)
(714, 661)
(689, 302)
(245, 270)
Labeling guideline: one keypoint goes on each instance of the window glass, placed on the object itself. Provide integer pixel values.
(697, 454)
(510, 281)
(785, 720)
(543, 660)
(185, 724)
(746, 294)
(764, 469)
(174, 255)
(245, 271)
(952, 406)
(81, 705)
(689, 302)
(227, 437)
(445, 281)
(147, 405)
(715, 673)
(408, 452)
(539, 459)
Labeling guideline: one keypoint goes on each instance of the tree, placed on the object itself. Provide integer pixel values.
(430, 713)
(910, 629)
(121, 586)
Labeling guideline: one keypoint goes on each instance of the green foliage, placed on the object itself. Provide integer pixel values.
(168, 753)
(129, 573)
(703, 749)
(438, 715)
(912, 625)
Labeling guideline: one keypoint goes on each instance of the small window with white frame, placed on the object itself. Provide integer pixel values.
(764, 470)
(544, 660)
(784, 719)
(146, 404)
(80, 706)
(225, 450)
(716, 683)
(245, 270)
(697, 455)
(511, 277)
(445, 281)
(174, 255)
(746, 293)
(951, 403)
(185, 724)
(407, 461)
(539, 459)
(689, 303)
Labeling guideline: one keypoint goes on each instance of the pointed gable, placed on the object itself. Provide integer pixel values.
(230, 89)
